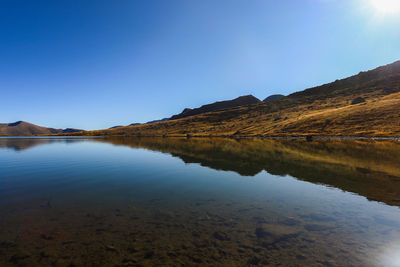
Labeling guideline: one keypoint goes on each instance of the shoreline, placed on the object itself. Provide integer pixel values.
(293, 137)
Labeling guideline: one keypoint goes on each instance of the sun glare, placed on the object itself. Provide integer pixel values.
(386, 7)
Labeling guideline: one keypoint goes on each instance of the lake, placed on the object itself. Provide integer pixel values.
(199, 201)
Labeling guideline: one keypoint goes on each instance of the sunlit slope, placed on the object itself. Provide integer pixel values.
(367, 104)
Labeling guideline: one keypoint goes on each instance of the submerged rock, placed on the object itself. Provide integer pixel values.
(274, 233)
(18, 257)
(289, 222)
(221, 236)
(111, 248)
(254, 260)
(46, 237)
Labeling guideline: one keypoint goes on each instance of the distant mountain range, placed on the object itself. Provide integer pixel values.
(366, 104)
(22, 128)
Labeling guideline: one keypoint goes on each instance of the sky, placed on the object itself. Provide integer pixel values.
(97, 64)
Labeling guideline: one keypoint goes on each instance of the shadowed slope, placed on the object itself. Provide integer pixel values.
(273, 98)
(237, 102)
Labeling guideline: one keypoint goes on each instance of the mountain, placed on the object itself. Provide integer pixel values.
(273, 98)
(22, 128)
(366, 104)
(240, 101)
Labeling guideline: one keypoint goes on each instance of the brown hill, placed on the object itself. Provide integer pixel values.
(330, 109)
(22, 128)
(220, 105)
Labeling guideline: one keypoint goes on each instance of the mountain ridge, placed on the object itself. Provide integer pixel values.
(326, 110)
(23, 128)
(273, 98)
(216, 106)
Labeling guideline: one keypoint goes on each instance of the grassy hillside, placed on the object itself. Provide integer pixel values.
(329, 109)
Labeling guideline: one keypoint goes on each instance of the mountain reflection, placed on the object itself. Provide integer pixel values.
(20, 144)
(367, 168)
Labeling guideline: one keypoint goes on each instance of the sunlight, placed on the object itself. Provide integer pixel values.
(391, 258)
(386, 7)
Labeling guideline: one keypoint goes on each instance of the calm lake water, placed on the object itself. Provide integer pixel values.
(205, 202)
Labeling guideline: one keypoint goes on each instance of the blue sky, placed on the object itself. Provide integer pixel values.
(96, 64)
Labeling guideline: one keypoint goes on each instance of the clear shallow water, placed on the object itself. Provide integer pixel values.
(215, 202)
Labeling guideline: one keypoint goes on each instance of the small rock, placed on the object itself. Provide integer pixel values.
(300, 257)
(46, 237)
(15, 258)
(128, 262)
(149, 255)
(44, 255)
(111, 248)
(196, 259)
(132, 250)
(254, 260)
(221, 236)
(195, 234)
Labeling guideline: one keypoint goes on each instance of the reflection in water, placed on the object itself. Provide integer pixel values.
(23, 143)
(92, 203)
(368, 168)
(19, 144)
